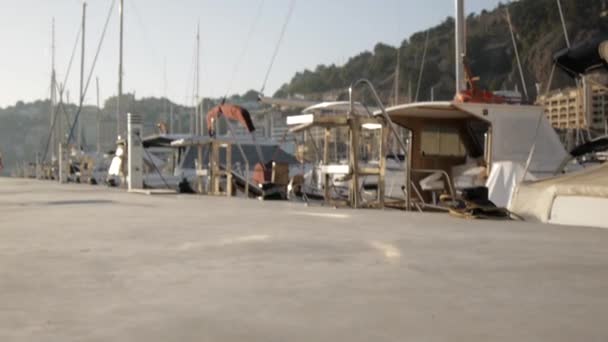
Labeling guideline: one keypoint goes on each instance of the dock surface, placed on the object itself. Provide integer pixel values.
(83, 263)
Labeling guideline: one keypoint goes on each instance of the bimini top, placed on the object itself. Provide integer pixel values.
(427, 110)
(162, 140)
(513, 129)
(584, 57)
(338, 106)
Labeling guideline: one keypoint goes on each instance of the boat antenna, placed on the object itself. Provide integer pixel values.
(292, 5)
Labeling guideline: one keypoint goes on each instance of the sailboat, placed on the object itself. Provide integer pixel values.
(579, 197)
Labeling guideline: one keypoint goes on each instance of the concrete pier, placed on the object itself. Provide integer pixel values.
(82, 263)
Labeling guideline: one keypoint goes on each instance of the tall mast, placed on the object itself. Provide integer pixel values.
(165, 100)
(397, 67)
(54, 130)
(461, 46)
(119, 128)
(82, 56)
(171, 120)
(197, 119)
(98, 118)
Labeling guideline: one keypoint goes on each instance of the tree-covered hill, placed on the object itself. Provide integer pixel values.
(489, 50)
(24, 127)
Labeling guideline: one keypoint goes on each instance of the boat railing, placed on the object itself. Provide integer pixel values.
(407, 149)
(393, 130)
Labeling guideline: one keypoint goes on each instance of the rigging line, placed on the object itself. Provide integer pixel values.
(240, 58)
(563, 20)
(67, 74)
(143, 28)
(390, 77)
(61, 89)
(153, 163)
(292, 5)
(521, 71)
(86, 88)
(540, 118)
(533, 149)
(426, 45)
(48, 142)
(549, 83)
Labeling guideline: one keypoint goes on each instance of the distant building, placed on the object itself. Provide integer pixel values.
(565, 108)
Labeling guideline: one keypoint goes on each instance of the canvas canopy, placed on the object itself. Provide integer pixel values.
(503, 180)
(338, 106)
(583, 57)
(582, 191)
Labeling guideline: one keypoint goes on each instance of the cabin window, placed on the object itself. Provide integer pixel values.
(442, 141)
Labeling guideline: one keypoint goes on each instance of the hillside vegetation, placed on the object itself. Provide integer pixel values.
(489, 50)
(24, 127)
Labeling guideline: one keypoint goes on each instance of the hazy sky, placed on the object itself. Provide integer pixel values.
(320, 31)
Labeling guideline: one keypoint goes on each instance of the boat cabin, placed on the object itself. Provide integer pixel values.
(462, 145)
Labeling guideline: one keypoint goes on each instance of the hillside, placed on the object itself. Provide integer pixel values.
(490, 53)
(24, 126)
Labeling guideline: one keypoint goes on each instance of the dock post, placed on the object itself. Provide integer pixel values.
(135, 152)
(408, 171)
(384, 134)
(355, 132)
(326, 176)
(63, 163)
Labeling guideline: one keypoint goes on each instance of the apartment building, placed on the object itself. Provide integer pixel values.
(565, 108)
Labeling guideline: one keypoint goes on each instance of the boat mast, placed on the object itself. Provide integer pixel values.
(119, 128)
(166, 114)
(397, 67)
(461, 46)
(82, 56)
(98, 118)
(53, 128)
(198, 119)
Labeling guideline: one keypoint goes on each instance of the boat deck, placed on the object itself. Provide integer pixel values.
(83, 263)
